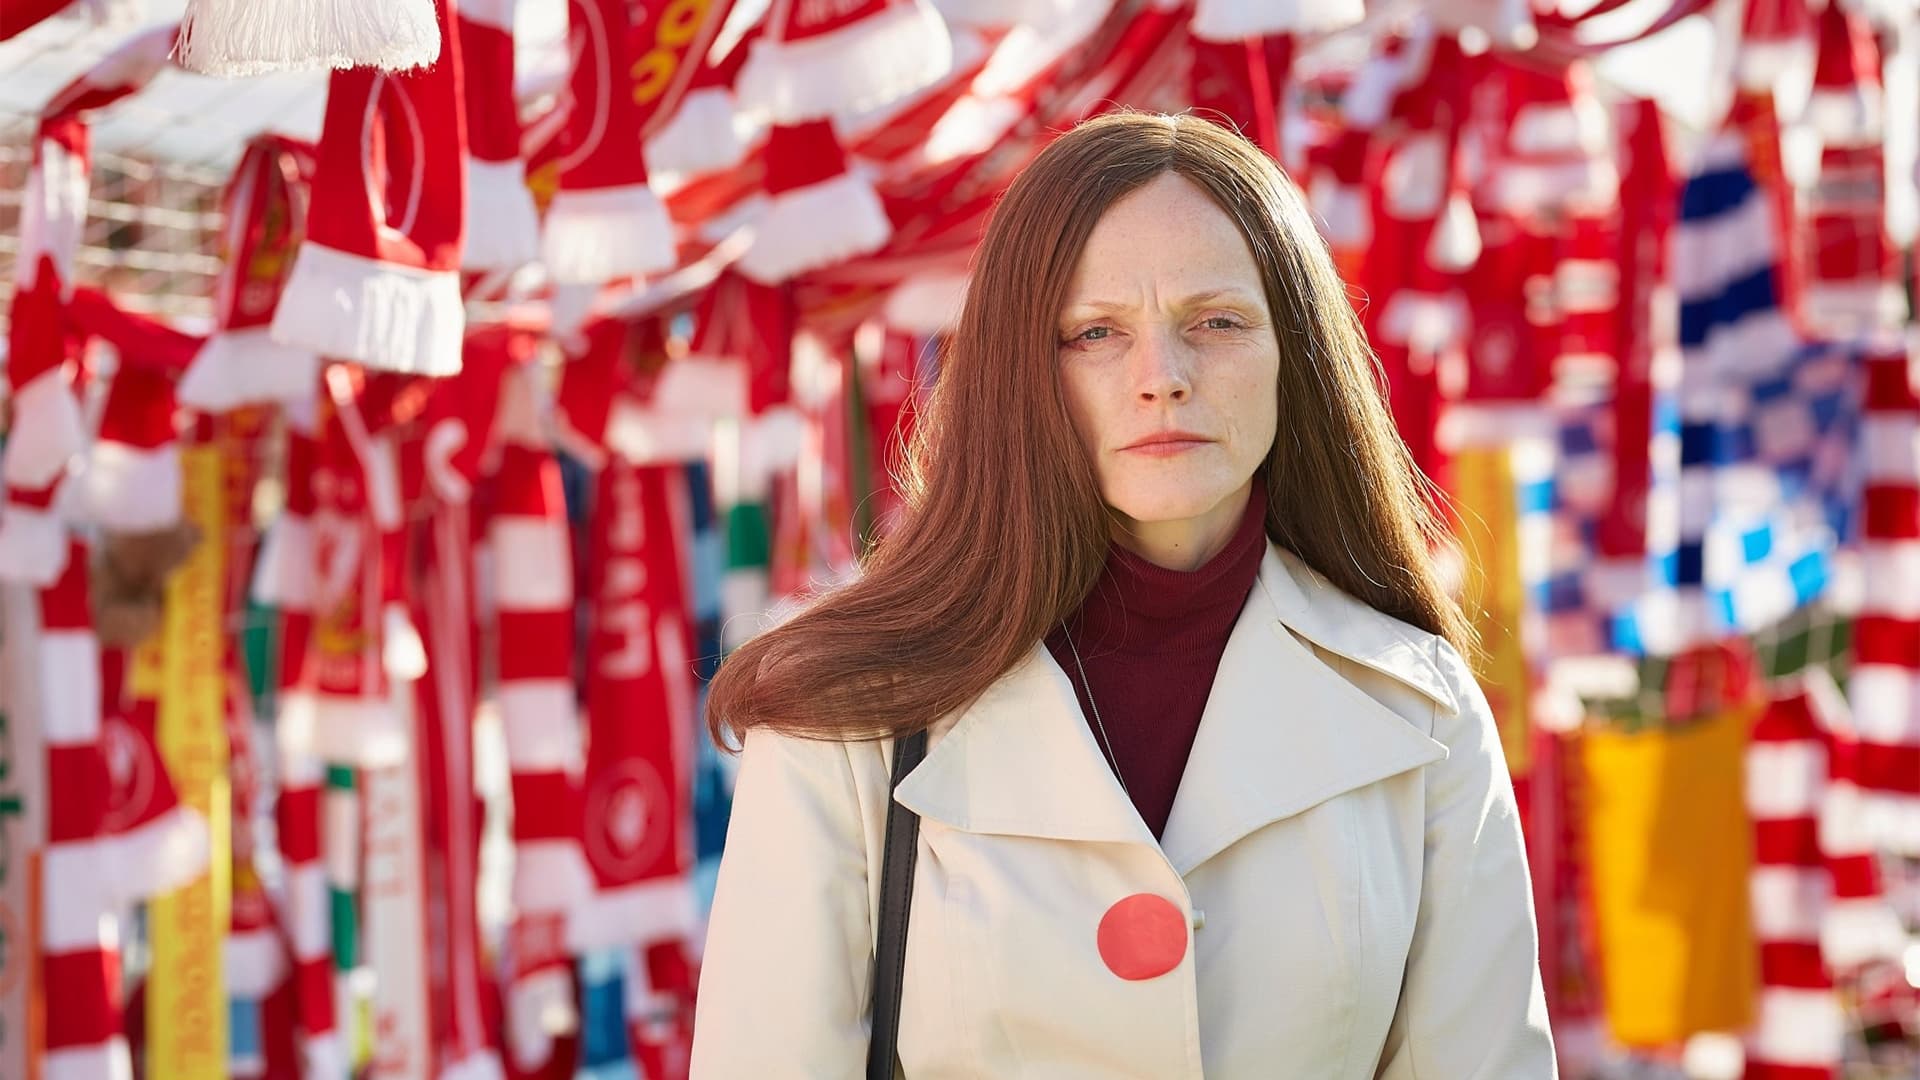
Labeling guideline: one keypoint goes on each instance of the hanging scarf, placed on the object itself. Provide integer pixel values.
(47, 430)
(378, 283)
(159, 843)
(815, 60)
(255, 956)
(133, 476)
(604, 222)
(533, 599)
(265, 209)
(640, 712)
(284, 579)
(1799, 1023)
(79, 960)
(1851, 269)
(1236, 20)
(1884, 683)
(818, 212)
(240, 37)
(502, 230)
(1241, 80)
(460, 984)
(694, 131)
(187, 1008)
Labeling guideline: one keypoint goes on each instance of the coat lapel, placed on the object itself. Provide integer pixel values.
(1282, 731)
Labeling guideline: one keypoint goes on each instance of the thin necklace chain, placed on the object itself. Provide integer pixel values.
(1105, 743)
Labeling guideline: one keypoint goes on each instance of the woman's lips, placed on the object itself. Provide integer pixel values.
(1167, 446)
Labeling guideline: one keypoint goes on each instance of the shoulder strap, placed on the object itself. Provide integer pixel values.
(896, 903)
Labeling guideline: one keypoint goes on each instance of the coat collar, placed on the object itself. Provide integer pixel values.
(1281, 732)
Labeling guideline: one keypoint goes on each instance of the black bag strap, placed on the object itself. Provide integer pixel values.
(896, 903)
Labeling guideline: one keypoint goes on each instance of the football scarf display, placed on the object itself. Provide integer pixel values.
(265, 207)
(502, 231)
(133, 476)
(604, 222)
(818, 212)
(243, 37)
(697, 132)
(377, 279)
(47, 430)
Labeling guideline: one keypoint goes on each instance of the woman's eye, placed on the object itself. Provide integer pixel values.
(1093, 333)
(1221, 322)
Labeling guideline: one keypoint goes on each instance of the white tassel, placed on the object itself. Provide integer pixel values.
(814, 226)
(1456, 238)
(248, 37)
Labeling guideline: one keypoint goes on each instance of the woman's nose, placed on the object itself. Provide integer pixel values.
(1162, 367)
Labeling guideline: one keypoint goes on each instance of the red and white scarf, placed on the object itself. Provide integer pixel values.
(79, 956)
(460, 984)
(47, 427)
(284, 578)
(241, 37)
(818, 211)
(377, 279)
(640, 712)
(133, 472)
(1884, 685)
(531, 552)
(1849, 269)
(604, 222)
(1236, 20)
(503, 231)
(695, 131)
(265, 207)
(815, 60)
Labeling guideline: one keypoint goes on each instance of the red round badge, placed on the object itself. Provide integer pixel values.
(1143, 936)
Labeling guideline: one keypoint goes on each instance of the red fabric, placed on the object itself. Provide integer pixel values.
(594, 374)
(668, 45)
(139, 412)
(639, 682)
(1151, 639)
(265, 208)
(142, 342)
(19, 15)
(420, 225)
(1241, 81)
(82, 989)
(493, 119)
(741, 319)
(600, 147)
(791, 21)
(799, 155)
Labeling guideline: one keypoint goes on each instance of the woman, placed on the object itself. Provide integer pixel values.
(1209, 786)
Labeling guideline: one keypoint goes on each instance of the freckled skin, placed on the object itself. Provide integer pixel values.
(1166, 327)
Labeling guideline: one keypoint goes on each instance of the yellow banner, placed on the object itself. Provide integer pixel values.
(186, 990)
(1485, 487)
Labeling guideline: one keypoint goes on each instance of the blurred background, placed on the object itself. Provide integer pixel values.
(390, 455)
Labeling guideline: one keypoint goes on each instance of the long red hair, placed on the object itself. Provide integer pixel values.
(1004, 532)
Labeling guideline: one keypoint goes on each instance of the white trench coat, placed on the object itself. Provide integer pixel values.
(1344, 846)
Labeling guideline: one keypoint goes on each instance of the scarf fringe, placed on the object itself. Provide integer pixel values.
(162, 854)
(1236, 20)
(701, 136)
(130, 489)
(503, 228)
(635, 914)
(926, 303)
(386, 316)
(48, 430)
(243, 367)
(866, 64)
(232, 38)
(593, 236)
(814, 226)
(33, 545)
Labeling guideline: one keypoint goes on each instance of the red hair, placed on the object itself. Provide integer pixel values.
(1003, 531)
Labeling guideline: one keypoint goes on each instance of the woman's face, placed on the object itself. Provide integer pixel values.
(1169, 360)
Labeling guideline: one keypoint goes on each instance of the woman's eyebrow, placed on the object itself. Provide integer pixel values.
(1193, 300)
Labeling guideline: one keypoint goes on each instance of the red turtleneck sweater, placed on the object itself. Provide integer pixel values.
(1151, 640)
